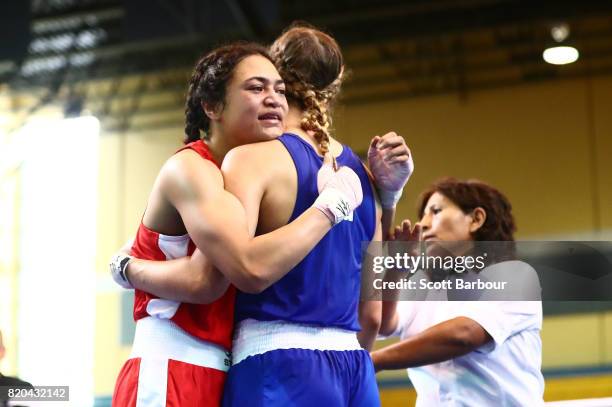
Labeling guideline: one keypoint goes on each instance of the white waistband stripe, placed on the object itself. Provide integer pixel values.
(162, 339)
(253, 337)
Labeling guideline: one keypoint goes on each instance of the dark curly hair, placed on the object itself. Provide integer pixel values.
(499, 225)
(471, 194)
(209, 81)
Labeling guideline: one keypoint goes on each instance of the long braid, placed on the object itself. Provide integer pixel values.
(194, 114)
(315, 119)
(312, 67)
(315, 105)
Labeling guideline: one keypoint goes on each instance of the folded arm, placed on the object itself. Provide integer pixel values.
(446, 340)
(188, 279)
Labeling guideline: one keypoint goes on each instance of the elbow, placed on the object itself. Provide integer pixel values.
(252, 287)
(208, 288)
(201, 297)
(369, 330)
(253, 279)
(371, 323)
(386, 329)
(207, 295)
(389, 321)
(371, 320)
(467, 335)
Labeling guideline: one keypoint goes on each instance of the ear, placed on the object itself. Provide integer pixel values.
(212, 111)
(479, 216)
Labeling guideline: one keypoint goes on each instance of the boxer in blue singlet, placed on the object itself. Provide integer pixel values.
(296, 342)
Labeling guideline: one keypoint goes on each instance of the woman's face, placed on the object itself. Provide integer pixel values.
(255, 104)
(444, 221)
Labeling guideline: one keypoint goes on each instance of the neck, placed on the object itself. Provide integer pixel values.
(293, 122)
(218, 146)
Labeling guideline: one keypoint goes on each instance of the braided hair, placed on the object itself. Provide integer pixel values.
(209, 81)
(311, 64)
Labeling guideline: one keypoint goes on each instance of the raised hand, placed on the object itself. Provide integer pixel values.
(406, 233)
(391, 163)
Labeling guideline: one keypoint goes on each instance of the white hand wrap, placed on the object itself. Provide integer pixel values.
(388, 199)
(340, 193)
(390, 178)
(118, 266)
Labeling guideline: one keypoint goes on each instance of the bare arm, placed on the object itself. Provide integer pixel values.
(389, 319)
(388, 322)
(188, 279)
(396, 161)
(217, 223)
(370, 311)
(369, 320)
(269, 256)
(447, 340)
(388, 214)
(388, 220)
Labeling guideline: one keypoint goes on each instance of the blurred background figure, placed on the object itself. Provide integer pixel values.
(8, 381)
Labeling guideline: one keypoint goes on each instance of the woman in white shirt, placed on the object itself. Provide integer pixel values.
(467, 353)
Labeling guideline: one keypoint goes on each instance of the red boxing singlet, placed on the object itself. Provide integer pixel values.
(180, 353)
(210, 322)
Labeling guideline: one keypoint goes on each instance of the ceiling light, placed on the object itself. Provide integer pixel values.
(560, 53)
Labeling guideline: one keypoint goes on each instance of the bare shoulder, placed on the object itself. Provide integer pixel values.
(187, 172)
(263, 156)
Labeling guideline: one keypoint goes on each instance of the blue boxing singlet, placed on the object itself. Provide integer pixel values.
(323, 289)
(295, 343)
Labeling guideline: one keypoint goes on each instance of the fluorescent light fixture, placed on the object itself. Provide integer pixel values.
(56, 310)
(561, 55)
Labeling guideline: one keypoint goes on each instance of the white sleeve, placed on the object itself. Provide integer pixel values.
(501, 319)
(522, 282)
(406, 310)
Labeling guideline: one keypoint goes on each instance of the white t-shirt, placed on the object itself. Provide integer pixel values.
(504, 372)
